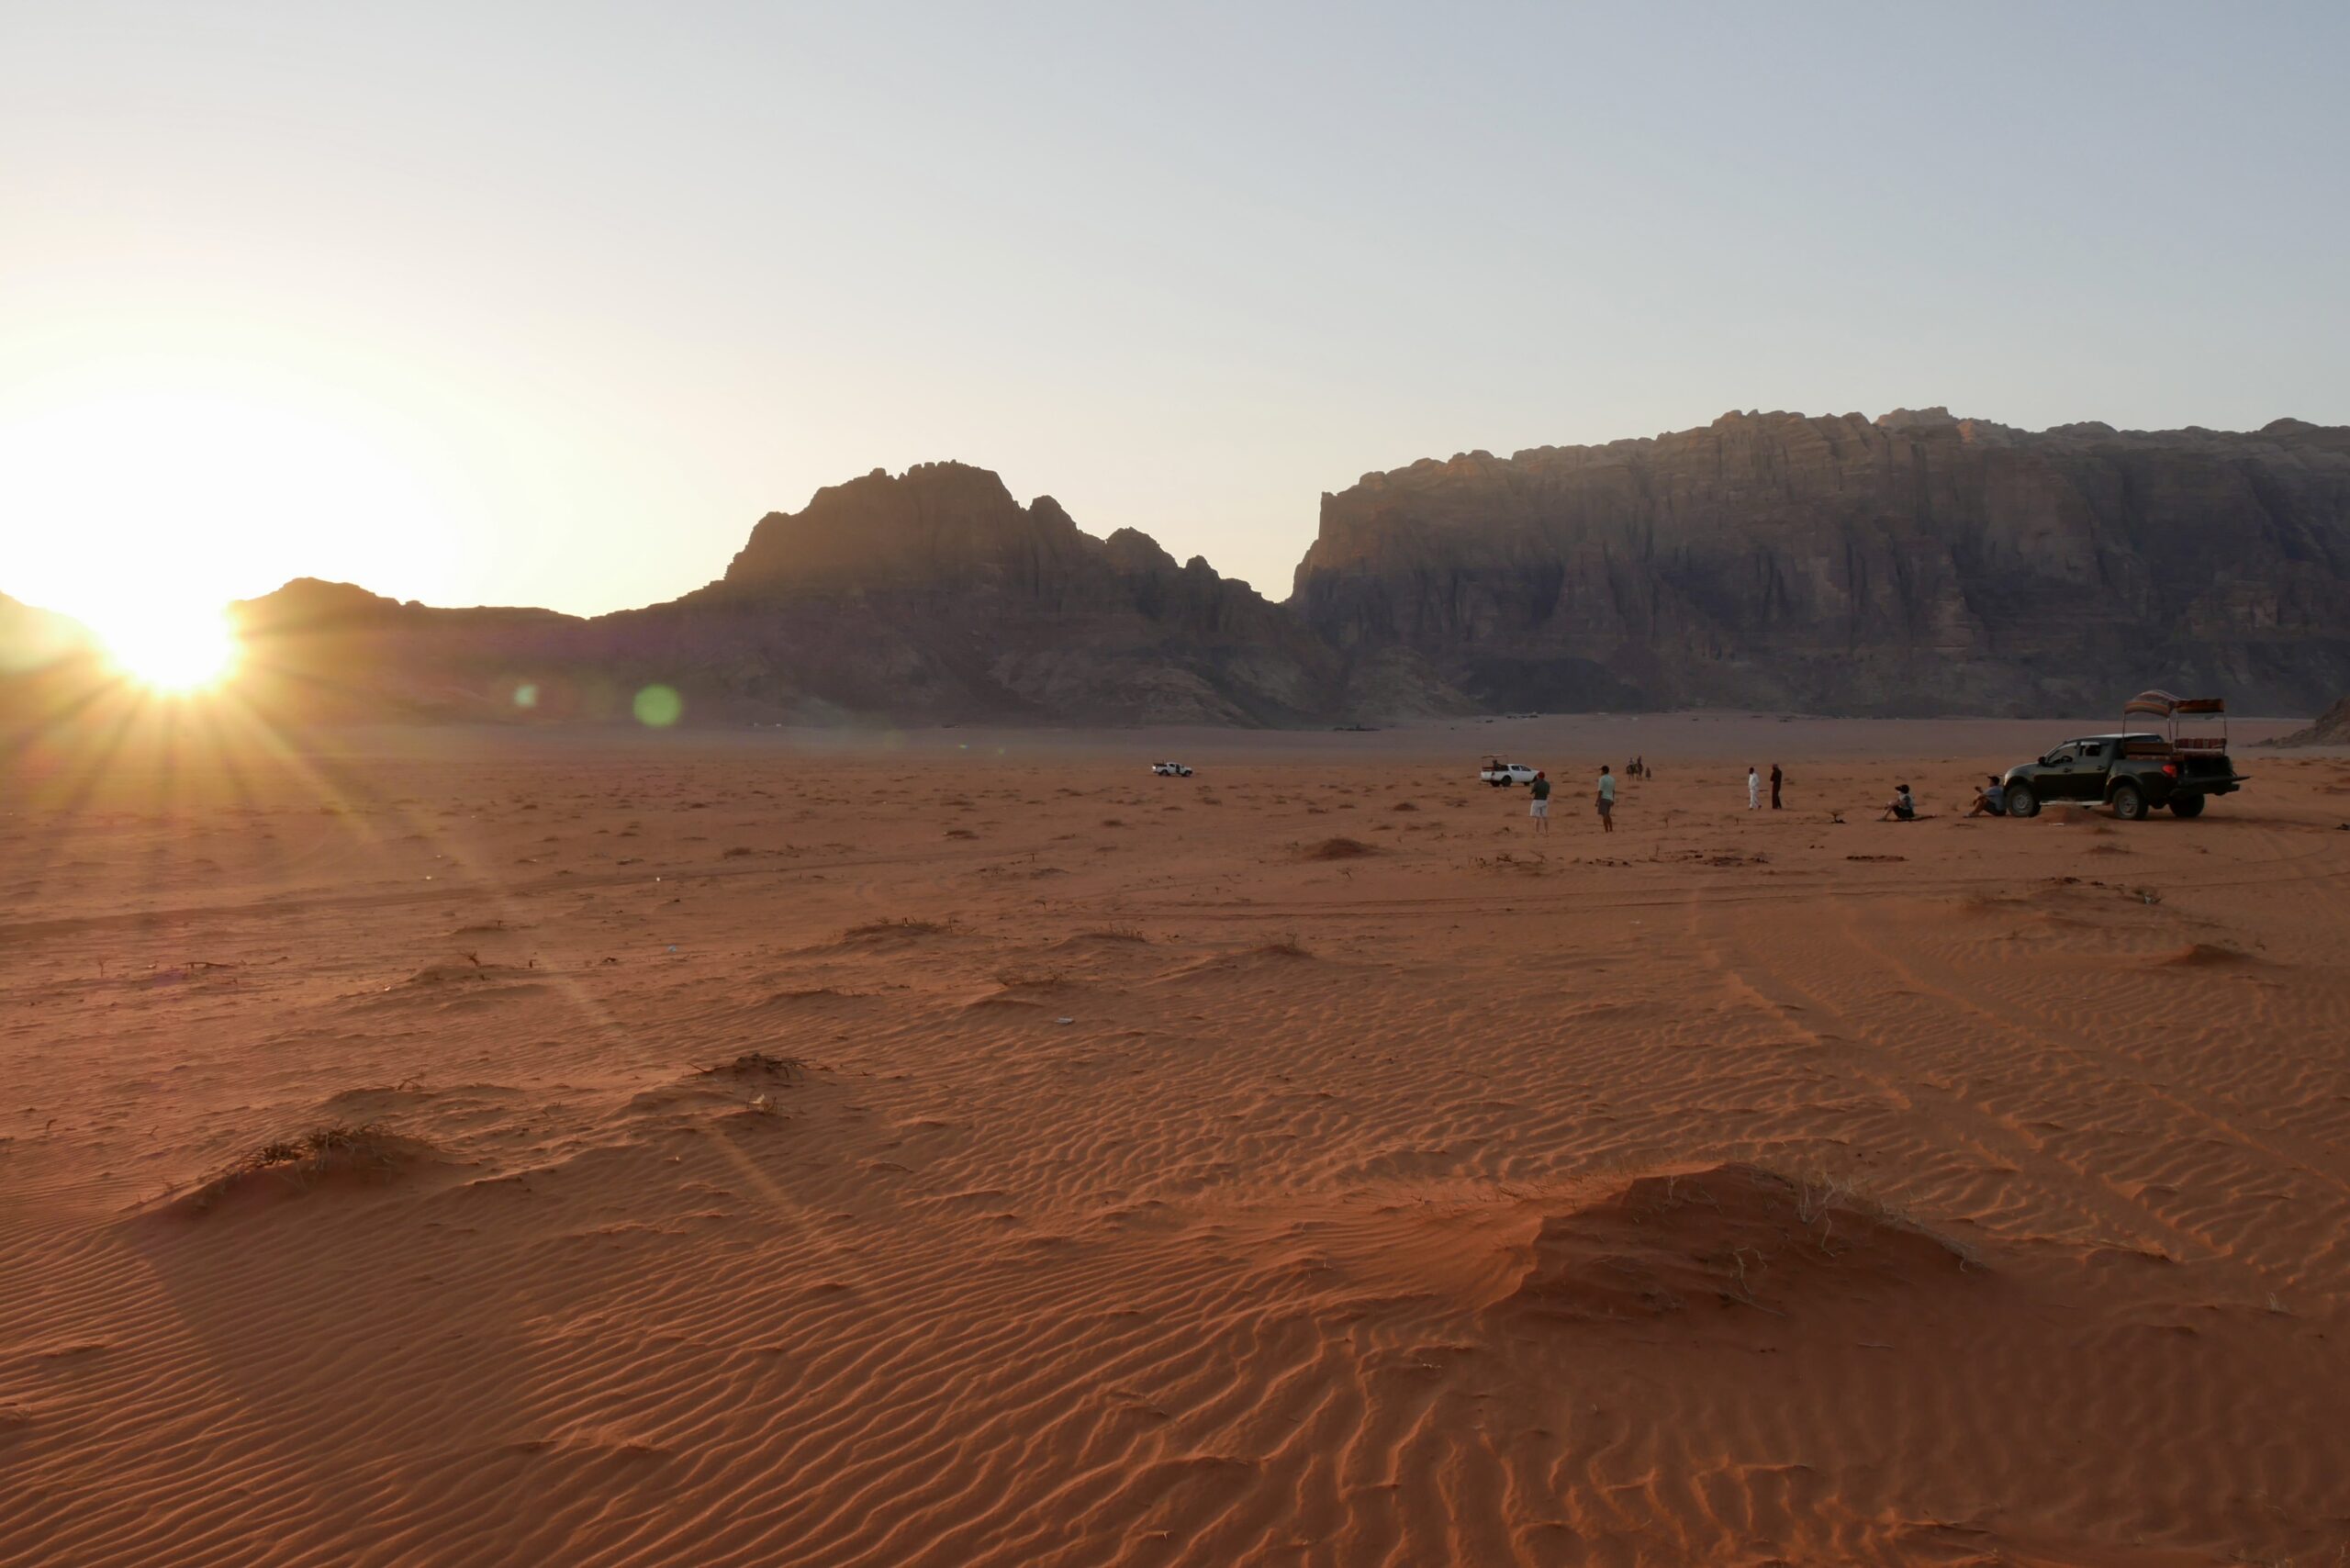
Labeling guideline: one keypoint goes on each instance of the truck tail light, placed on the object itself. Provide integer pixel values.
(2171, 768)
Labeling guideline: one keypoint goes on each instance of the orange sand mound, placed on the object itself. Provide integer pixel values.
(1738, 1187)
(1734, 1237)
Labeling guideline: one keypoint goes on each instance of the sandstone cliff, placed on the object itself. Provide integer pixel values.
(929, 596)
(1912, 564)
(319, 652)
(47, 661)
(935, 595)
(2331, 728)
(33, 639)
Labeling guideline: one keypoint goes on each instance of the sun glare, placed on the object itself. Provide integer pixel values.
(172, 650)
(139, 514)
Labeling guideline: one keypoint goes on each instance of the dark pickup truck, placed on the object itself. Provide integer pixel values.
(2133, 771)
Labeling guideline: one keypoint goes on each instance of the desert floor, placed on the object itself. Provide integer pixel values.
(968, 1148)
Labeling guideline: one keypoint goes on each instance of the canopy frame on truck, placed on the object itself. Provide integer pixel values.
(2162, 705)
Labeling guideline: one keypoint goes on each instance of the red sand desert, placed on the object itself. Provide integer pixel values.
(471, 1146)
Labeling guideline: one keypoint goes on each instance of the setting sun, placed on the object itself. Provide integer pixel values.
(174, 650)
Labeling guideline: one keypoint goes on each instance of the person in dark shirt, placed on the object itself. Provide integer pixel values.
(1775, 777)
(1541, 810)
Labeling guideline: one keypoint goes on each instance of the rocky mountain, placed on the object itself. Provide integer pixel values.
(1911, 563)
(46, 661)
(935, 595)
(924, 598)
(33, 639)
(317, 651)
(2331, 728)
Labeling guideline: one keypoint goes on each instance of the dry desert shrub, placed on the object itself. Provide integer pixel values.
(908, 927)
(334, 1149)
(1821, 1198)
(1337, 849)
(757, 1064)
(1289, 947)
(1030, 979)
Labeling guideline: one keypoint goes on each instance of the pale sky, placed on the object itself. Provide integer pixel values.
(537, 303)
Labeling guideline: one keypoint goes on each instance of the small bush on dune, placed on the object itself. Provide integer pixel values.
(758, 1064)
(1030, 979)
(336, 1149)
(1338, 849)
(873, 928)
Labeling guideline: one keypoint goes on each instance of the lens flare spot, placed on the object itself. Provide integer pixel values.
(658, 707)
(526, 696)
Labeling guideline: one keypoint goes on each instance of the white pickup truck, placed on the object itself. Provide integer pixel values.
(1170, 770)
(1502, 775)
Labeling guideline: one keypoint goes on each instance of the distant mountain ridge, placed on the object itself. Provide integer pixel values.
(1911, 563)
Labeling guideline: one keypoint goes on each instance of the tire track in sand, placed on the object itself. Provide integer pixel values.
(2006, 1138)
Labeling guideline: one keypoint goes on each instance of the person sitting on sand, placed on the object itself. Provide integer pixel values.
(1902, 808)
(1607, 799)
(1991, 800)
(1541, 810)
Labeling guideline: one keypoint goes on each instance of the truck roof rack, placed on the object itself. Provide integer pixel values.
(2163, 705)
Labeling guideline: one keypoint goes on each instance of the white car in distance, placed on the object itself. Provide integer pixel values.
(1502, 775)
(1170, 770)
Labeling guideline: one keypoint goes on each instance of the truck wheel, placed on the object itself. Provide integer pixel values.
(2021, 801)
(2186, 807)
(2128, 803)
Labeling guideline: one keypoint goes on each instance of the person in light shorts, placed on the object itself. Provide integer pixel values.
(1541, 810)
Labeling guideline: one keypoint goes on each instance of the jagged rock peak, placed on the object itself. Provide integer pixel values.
(1132, 550)
(1935, 417)
(934, 521)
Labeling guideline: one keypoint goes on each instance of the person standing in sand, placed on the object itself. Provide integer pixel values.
(1753, 788)
(1775, 777)
(1541, 810)
(1607, 799)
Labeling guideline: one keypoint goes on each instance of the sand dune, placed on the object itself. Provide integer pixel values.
(969, 1149)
